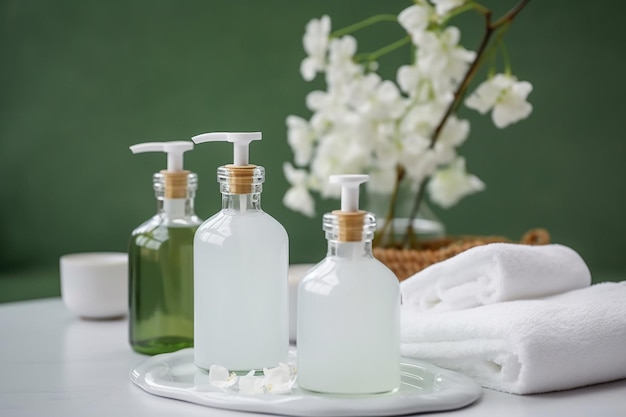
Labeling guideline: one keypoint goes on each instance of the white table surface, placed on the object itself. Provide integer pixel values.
(54, 364)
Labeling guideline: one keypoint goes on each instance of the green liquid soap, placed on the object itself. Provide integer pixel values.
(160, 259)
(161, 288)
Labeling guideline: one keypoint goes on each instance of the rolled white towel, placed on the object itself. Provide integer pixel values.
(493, 273)
(528, 346)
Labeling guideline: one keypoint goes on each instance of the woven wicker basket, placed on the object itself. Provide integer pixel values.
(406, 262)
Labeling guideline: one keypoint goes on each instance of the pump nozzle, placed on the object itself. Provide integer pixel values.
(349, 189)
(240, 140)
(174, 150)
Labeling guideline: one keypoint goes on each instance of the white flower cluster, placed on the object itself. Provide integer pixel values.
(277, 380)
(364, 124)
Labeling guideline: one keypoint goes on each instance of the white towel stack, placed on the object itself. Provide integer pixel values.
(493, 273)
(526, 346)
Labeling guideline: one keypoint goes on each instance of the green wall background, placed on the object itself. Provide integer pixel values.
(80, 81)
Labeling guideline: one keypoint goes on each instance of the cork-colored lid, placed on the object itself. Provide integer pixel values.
(350, 224)
(175, 183)
(240, 178)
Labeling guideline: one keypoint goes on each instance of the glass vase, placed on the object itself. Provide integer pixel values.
(393, 220)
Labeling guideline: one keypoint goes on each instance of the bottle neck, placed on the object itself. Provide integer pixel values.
(241, 202)
(174, 208)
(241, 187)
(175, 194)
(350, 250)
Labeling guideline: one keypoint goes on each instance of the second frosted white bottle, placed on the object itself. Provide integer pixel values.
(241, 262)
(349, 308)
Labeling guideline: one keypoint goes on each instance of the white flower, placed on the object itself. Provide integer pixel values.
(278, 380)
(454, 132)
(386, 149)
(444, 6)
(220, 377)
(419, 165)
(315, 42)
(387, 103)
(377, 100)
(345, 148)
(423, 85)
(339, 152)
(447, 186)
(250, 384)
(298, 197)
(382, 181)
(341, 67)
(325, 101)
(422, 118)
(329, 106)
(506, 96)
(409, 78)
(342, 50)
(361, 89)
(415, 20)
(300, 137)
(439, 54)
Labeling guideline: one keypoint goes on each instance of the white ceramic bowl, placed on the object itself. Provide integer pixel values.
(94, 285)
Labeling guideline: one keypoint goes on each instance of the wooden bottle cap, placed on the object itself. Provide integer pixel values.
(350, 225)
(240, 178)
(175, 183)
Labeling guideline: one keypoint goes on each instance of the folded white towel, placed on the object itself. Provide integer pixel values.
(496, 272)
(528, 346)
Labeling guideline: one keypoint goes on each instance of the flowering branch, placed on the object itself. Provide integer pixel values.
(490, 28)
(403, 131)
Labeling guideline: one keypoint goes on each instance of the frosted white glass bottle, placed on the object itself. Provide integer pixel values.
(349, 308)
(241, 262)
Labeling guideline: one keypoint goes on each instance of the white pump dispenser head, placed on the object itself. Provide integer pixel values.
(175, 178)
(240, 141)
(349, 189)
(173, 149)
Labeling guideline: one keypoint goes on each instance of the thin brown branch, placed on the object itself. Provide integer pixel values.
(510, 15)
(490, 28)
(410, 232)
(381, 238)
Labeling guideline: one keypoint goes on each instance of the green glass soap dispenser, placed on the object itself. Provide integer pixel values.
(161, 259)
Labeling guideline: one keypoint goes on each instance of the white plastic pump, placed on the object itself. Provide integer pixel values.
(173, 149)
(240, 141)
(175, 191)
(349, 189)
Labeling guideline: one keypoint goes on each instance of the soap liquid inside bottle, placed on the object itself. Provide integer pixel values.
(161, 288)
(241, 284)
(349, 324)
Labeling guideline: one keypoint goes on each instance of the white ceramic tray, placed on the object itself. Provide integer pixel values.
(424, 387)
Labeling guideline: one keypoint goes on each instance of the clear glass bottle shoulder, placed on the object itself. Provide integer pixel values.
(229, 225)
(160, 221)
